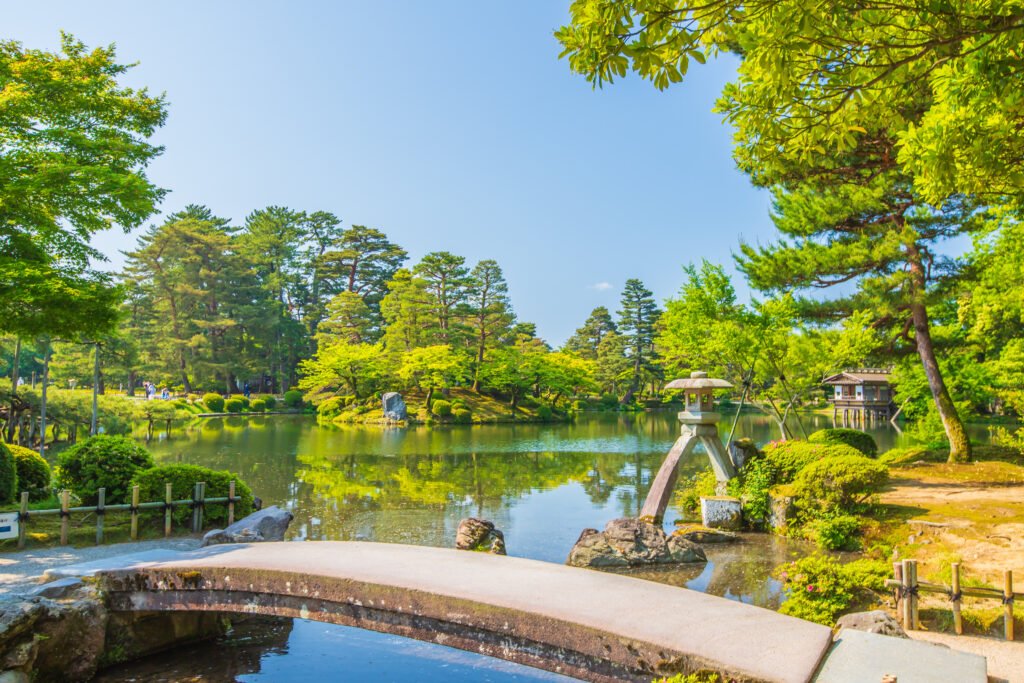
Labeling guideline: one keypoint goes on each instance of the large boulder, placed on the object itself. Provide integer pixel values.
(875, 621)
(479, 534)
(268, 524)
(394, 406)
(631, 542)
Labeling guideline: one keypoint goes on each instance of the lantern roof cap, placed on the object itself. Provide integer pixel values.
(698, 380)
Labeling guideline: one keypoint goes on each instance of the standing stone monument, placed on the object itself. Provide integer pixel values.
(700, 425)
(394, 406)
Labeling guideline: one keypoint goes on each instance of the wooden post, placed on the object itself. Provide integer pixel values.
(1008, 601)
(908, 613)
(195, 507)
(901, 601)
(65, 515)
(958, 623)
(167, 512)
(231, 503)
(915, 620)
(22, 519)
(101, 496)
(135, 513)
(202, 506)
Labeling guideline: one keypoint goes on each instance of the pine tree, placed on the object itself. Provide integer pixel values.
(447, 281)
(490, 311)
(637, 321)
(585, 341)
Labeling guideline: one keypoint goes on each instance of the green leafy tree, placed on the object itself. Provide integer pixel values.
(337, 366)
(432, 368)
(613, 366)
(490, 311)
(407, 313)
(348, 319)
(446, 280)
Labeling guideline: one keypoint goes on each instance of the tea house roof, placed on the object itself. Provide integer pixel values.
(859, 376)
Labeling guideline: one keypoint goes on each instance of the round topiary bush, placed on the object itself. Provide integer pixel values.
(544, 412)
(102, 461)
(441, 408)
(838, 483)
(854, 438)
(462, 416)
(33, 472)
(258, 406)
(8, 475)
(609, 400)
(789, 457)
(293, 399)
(234, 405)
(270, 401)
(214, 402)
(579, 405)
(152, 485)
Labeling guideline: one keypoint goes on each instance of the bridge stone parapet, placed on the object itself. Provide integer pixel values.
(590, 625)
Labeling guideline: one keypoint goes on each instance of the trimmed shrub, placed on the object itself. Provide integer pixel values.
(853, 438)
(270, 401)
(789, 457)
(544, 412)
(579, 405)
(258, 406)
(462, 416)
(152, 484)
(215, 402)
(8, 475)
(838, 483)
(821, 588)
(834, 533)
(609, 400)
(102, 461)
(458, 403)
(293, 399)
(33, 472)
(234, 405)
(441, 408)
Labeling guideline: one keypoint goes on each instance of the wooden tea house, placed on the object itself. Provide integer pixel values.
(860, 395)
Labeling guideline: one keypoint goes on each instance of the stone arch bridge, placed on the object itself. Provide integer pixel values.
(590, 625)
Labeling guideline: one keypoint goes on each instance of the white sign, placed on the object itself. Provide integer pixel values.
(8, 525)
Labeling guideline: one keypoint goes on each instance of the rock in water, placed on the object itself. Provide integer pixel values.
(394, 406)
(702, 534)
(875, 621)
(630, 542)
(479, 534)
(268, 524)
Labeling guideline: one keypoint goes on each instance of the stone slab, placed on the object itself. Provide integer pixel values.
(56, 590)
(532, 600)
(88, 569)
(859, 656)
(721, 512)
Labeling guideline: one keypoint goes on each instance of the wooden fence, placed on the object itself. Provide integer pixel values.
(907, 589)
(198, 502)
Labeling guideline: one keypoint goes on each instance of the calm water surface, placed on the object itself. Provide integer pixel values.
(540, 484)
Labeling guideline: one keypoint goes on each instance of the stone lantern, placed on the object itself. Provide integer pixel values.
(699, 425)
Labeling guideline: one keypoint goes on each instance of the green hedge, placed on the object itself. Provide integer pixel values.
(152, 485)
(462, 416)
(270, 401)
(839, 483)
(33, 472)
(293, 399)
(8, 475)
(544, 412)
(258, 406)
(787, 458)
(441, 408)
(102, 461)
(234, 405)
(854, 438)
(215, 402)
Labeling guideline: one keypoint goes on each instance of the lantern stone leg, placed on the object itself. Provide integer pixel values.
(665, 481)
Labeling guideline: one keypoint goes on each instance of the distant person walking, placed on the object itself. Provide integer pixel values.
(246, 390)
(165, 395)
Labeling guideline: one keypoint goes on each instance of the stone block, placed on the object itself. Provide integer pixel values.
(721, 512)
(858, 656)
(631, 542)
(56, 590)
(780, 510)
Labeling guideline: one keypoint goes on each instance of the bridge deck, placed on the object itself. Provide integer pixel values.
(588, 624)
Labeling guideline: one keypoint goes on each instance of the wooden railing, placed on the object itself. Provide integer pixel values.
(198, 502)
(907, 589)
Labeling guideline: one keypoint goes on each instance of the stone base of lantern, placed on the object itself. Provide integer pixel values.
(721, 512)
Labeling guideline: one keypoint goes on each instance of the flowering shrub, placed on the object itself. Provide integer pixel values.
(820, 588)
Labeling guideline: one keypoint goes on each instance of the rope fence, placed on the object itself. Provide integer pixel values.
(907, 590)
(197, 503)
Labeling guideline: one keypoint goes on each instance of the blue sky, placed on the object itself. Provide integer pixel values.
(449, 125)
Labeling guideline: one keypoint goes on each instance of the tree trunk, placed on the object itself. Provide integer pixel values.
(42, 404)
(14, 389)
(430, 396)
(132, 379)
(93, 427)
(959, 443)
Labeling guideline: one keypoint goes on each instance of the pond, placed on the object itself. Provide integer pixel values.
(540, 484)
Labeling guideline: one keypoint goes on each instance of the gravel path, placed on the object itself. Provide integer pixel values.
(23, 570)
(1005, 659)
